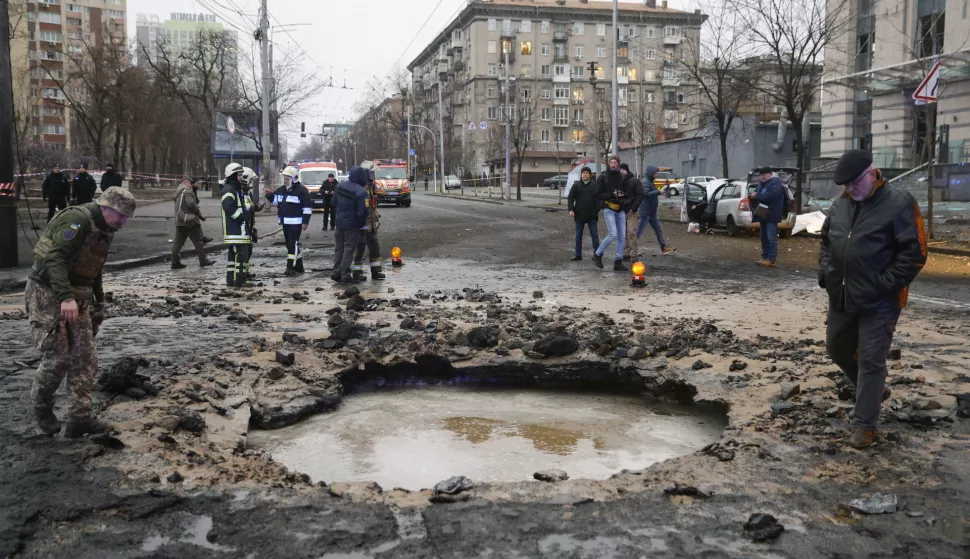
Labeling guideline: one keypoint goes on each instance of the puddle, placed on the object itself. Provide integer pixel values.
(415, 438)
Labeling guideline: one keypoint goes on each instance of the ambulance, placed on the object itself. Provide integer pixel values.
(312, 175)
(391, 184)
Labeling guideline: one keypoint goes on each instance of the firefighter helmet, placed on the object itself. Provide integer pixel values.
(232, 169)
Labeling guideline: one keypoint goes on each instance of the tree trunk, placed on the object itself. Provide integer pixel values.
(800, 162)
(124, 153)
(117, 147)
(518, 178)
(725, 168)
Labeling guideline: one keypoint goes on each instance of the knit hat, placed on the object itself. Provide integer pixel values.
(625, 167)
(585, 170)
(852, 164)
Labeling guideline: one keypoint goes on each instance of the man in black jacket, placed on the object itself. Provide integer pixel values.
(873, 246)
(56, 189)
(631, 248)
(326, 191)
(83, 188)
(111, 178)
(584, 207)
(294, 209)
(616, 195)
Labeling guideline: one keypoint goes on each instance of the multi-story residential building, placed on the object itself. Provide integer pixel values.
(45, 36)
(551, 44)
(876, 63)
(179, 32)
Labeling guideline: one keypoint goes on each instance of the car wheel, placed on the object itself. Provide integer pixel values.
(674, 191)
(732, 228)
(407, 205)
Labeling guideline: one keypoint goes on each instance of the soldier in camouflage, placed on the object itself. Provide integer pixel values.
(65, 304)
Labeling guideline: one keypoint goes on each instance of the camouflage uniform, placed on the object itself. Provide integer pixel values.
(67, 266)
(368, 239)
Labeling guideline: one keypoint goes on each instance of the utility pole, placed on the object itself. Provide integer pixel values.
(616, 103)
(267, 90)
(441, 131)
(508, 126)
(8, 198)
(596, 105)
(407, 131)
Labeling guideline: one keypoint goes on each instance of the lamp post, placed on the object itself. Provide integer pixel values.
(616, 103)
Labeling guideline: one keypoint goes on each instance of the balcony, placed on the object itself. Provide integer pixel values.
(560, 36)
(507, 34)
(672, 40)
(560, 101)
(560, 57)
(561, 124)
(458, 66)
(564, 78)
(670, 82)
(579, 101)
(622, 80)
(456, 46)
(442, 68)
(578, 122)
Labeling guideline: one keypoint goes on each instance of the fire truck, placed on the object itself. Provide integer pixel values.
(312, 175)
(391, 184)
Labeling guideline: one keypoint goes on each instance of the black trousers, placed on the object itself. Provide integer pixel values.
(329, 218)
(368, 241)
(54, 204)
(237, 269)
(294, 256)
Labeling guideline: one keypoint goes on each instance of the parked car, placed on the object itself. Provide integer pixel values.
(452, 182)
(700, 179)
(668, 182)
(724, 204)
(558, 181)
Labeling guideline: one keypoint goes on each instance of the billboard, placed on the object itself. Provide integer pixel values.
(247, 137)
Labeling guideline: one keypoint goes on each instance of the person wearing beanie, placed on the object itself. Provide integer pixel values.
(768, 209)
(873, 246)
(585, 210)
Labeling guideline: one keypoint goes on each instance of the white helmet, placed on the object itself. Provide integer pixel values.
(232, 169)
(289, 172)
(247, 176)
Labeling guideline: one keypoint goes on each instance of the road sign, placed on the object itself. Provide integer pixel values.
(412, 153)
(928, 87)
(483, 125)
(340, 161)
(230, 125)
(471, 126)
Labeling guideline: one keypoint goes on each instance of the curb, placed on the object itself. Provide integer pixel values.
(950, 251)
(472, 199)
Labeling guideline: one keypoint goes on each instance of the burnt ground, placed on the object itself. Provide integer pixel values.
(210, 352)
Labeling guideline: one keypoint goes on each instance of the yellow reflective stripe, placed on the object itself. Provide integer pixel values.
(228, 195)
(237, 213)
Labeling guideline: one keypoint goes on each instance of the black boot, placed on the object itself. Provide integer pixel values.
(377, 273)
(47, 421)
(90, 426)
(598, 260)
(298, 267)
(177, 265)
(618, 266)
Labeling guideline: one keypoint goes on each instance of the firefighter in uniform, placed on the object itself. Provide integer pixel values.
(236, 213)
(249, 180)
(65, 303)
(368, 239)
(294, 209)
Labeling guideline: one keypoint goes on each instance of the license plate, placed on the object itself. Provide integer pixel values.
(392, 193)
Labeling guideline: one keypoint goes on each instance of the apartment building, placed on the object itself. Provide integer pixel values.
(44, 35)
(550, 45)
(875, 65)
(179, 32)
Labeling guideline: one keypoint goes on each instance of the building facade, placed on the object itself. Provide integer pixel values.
(179, 32)
(45, 35)
(560, 64)
(872, 70)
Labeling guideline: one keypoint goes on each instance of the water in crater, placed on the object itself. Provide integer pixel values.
(414, 438)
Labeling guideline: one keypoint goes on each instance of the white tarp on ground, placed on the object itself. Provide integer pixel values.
(810, 223)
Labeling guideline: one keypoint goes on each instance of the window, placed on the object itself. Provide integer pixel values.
(52, 93)
(671, 31)
(560, 51)
(546, 49)
(546, 93)
(650, 31)
(578, 28)
(116, 13)
(578, 116)
(670, 96)
(53, 129)
(74, 49)
(601, 30)
(623, 51)
(74, 21)
(622, 72)
(579, 136)
(53, 111)
(649, 76)
(74, 8)
(579, 71)
(75, 34)
(51, 37)
(492, 47)
(648, 97)
(47, 17)
(544, 114)
(650, 54)
(526, 93)
(560, 70)
(601, 115)
(560, 136)
(492, 25)
(578, 94)
(52, 55)
(525, 48)
(683, 118)
(30, 35)
(681, 97)
(600, 73)
(633, 74)
(507, 27)
(526, 70)
(544, 70)
(492, 113)
(507, 111)
(580, 51)
(562, 116)
(525, 114)
(561, 92)
(544, 135)
(491, 92)
(631, 31)
(526, 26)
(492, 69)
(622, 96)
(600, 52)
(544, 26)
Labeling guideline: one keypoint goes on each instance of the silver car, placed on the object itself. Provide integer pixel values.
(726, 206)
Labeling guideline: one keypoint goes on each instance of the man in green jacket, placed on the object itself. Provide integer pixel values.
(65, 303)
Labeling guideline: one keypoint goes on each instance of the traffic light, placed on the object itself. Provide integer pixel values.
(303, 130)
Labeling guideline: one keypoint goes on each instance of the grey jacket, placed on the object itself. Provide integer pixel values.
(187, 206)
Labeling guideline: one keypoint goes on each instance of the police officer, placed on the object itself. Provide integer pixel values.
(83, 188)
(873, 246)
(326, 190)
(236, 214)
(56, 190)
(294, 209)
(368, 234)
(65, 301)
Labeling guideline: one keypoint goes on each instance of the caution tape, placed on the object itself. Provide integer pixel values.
(8, 189)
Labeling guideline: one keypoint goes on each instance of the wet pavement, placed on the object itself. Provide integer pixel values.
(732, 332)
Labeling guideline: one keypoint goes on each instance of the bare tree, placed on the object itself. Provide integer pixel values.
(520, 126)
(312, 149)
(790, 37)
(600, 127)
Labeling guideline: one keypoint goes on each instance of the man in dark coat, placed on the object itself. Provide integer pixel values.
(56, 190)
(326, 192)
(649, 208)
(770, 197)
(83, 188)
(350, 201)
(873, 246)
(111, 178)
(584, 207)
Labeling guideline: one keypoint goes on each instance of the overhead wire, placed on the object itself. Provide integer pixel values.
(415, 38)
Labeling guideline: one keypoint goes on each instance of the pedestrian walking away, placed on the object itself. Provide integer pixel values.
(614, 193)
(83, 188)
(768, 203)
(873, 246)
(236, 214)
(631, 248)
(294, 209)
(111, 178)
(350, 200)
(368, 234)
(649, 209)
(65, 303)
(56, 191)
(584, 207)
(326, 191)
(188, 223)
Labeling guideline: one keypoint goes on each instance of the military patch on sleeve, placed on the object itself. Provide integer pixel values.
(71, 231)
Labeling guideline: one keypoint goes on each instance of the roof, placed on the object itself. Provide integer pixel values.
(580, 4)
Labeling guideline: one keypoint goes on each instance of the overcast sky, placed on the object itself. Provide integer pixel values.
(359, 39)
